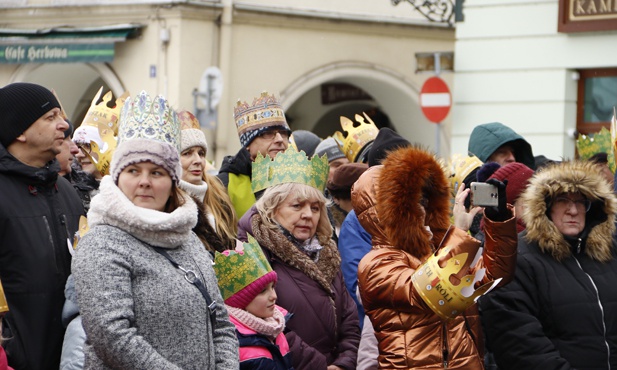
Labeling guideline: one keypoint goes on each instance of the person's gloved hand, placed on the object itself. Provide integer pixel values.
(501, 212)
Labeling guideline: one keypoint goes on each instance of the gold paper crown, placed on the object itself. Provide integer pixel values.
(102, 113)
(81, 231)
(188, 120)
(355, 135)
(599, 142)
(4, 306)
(289, 166)
(460, 167)
(101, 157)
(433, 283)
(147, 118)
(236, 269)
(266, 111)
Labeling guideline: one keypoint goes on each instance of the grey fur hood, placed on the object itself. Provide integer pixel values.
(565, 177)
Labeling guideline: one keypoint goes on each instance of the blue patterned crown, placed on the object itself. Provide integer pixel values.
(145, 118)
(289, 166)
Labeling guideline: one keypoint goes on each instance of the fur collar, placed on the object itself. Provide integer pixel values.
(323, 271)
(408, 174)
(573, 176)
(160, 229)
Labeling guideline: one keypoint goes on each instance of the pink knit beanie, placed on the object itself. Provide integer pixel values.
(243, 297)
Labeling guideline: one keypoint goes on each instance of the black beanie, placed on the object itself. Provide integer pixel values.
(385, 142)
(21, 104)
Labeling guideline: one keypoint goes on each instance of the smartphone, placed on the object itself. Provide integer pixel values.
(484, 195)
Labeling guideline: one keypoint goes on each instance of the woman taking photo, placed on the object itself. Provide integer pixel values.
(217, 224)
(291, 224)
(560, 311)
(144, 283)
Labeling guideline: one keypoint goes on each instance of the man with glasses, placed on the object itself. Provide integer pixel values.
(262, 128)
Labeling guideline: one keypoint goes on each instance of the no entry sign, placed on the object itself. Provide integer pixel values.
(435, 99)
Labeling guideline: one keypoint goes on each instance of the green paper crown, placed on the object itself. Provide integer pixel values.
(236, 269)
(599, 142)
(290, 166)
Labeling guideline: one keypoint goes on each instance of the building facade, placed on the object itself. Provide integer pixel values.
(546, 68)
(323, 59)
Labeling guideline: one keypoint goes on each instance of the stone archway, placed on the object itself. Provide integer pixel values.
(393, 93)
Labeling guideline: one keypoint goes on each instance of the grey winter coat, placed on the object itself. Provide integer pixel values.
(138, 310)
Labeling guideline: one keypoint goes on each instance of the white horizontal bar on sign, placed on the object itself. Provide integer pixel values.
(435, 100)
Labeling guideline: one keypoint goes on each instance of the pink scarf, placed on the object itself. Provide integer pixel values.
(270, 326)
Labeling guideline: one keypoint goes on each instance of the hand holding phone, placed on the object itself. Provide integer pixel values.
(484, 195)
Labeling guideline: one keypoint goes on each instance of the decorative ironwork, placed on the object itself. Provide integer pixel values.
(441, 11)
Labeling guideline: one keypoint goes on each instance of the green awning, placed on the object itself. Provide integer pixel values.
(63, 44)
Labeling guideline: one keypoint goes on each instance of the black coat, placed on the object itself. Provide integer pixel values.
(554, 315)
(39, 211)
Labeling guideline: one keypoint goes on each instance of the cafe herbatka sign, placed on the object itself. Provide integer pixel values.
(587, 15)
(63, 45)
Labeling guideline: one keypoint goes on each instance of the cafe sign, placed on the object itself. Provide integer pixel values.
(56, 53)
(587, 15)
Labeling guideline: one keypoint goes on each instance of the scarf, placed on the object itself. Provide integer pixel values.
(160, 229)
(323, 271)
(310, 247)
(199, 192)
(270, 326)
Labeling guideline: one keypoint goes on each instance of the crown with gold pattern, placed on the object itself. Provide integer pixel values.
(459, 167)
(251, 120)
(146, 118)
(599, 142)
(433, 282)
(356, 135)
(103, 113)
(289, 166)
(4, 306)
(242, 268)
(101, 156)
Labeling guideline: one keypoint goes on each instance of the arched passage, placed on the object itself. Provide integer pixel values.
(393, 93)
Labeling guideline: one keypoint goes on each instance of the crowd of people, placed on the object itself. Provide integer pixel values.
(122, 247)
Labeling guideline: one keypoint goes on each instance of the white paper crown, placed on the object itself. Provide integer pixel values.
(146, 118)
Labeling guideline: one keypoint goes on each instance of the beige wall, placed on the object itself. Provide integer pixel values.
(260, 45)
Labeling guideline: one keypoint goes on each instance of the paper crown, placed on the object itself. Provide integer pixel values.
(237, 269)
(188, 120)
(433, 282)
(101, 156)
(81, 231)
(289, 166)
(266, 111)
(145, 118)
(459, 167)
(103, 113)
(599, 142)
(355, 135)
(4, 307)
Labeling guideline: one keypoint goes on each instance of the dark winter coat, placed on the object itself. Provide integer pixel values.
(560, 311)
(324, 327)
(39, 211)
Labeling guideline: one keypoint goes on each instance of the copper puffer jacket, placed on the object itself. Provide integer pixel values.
(410, 334)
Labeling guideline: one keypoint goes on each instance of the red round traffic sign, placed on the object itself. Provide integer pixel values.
(435, 99)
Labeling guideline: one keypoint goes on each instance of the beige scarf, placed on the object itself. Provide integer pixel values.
(270, 326)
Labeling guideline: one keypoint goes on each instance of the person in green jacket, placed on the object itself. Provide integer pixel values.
(496, 142)
(262, 128)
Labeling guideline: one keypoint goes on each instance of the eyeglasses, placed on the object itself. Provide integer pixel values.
(271, 134)
(581, 204)
(85, 147)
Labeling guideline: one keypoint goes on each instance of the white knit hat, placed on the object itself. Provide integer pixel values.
(191, 134)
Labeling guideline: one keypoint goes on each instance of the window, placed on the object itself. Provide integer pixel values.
(597, 96)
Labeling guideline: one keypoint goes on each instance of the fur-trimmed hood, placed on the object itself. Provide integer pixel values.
(392, 200)
(566, 177)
